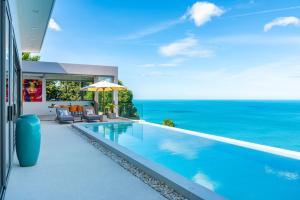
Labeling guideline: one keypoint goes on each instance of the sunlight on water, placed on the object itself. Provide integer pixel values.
(227, 169)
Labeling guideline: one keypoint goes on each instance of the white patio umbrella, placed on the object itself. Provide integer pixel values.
(103, 86)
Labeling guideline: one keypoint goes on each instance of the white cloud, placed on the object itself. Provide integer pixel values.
(261, 12)
(171, 63)
(53, 25)
(242, 5)
(176, 148)
(151, 30)
(205, 181)
(154, 65)
(187, 47)
(275, 79)
(148, 65)
(155, 74)
(282, 21)
(253, 39)
(168, 64)
(186, 148)
(202, 12)
(288, 175)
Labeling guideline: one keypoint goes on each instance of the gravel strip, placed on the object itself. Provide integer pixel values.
(156, 184)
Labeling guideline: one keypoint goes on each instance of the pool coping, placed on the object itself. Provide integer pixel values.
(250, 145)
(180, 184)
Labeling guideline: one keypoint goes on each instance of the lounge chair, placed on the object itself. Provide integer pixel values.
(89, 114)
(64, 115)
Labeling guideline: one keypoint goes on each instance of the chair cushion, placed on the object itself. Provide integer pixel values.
(92, 117)
(65, 118)
(63, 112)
(73, 108)
(89, 111)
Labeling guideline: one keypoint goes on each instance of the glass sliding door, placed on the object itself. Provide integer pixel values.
(2, 89)
(9, 93)
(10, 107)
(6, 97)
(16, 95)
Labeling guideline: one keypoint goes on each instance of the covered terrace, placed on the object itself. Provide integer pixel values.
(40, 79)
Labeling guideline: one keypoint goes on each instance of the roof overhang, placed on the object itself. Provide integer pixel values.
(33, 17)
(64, 69)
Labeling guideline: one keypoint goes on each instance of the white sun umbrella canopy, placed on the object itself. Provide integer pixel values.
(103, 86)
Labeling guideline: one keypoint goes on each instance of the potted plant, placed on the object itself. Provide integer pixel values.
(110, 107)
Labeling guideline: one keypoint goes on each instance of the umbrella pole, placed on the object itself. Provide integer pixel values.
(103, 109)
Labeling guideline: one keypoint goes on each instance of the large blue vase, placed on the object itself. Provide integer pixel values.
(28, 140)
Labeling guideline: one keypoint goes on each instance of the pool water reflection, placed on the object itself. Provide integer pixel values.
(232, 171)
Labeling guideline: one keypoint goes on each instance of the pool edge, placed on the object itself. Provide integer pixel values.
(250, 145)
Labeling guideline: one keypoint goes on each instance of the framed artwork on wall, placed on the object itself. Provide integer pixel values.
(32, 90)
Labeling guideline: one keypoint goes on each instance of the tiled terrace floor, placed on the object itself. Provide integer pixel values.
(71, 168)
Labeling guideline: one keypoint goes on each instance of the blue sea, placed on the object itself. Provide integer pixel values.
(273, 123)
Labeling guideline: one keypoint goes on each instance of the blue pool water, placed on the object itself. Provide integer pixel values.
(273, 123)
(234, 172)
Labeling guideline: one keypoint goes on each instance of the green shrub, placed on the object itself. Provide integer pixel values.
(126, 106)
(110, 107)
(168, 122)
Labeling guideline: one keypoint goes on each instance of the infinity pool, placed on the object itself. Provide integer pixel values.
(232, 171)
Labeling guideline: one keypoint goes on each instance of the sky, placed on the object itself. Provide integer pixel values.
(184, 49)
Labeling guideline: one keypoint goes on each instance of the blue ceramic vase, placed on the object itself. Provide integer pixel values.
(28, 140)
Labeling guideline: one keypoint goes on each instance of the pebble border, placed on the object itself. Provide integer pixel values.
(154, 183)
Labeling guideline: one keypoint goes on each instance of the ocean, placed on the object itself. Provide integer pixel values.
(273, 123)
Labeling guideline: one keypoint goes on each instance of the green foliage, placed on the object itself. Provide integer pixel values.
(52, 91)
(70, 91)
(168, 122)
(66, 91)
(108, 99)
(26, 56)
(87, 96)
(126, 106)
(110, 107)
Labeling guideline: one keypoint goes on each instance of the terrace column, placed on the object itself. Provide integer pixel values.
(115, 98)
(44, 95)
(96, 97)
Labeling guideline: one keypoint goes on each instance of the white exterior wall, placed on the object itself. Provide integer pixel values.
(41, 108)
(61, 71)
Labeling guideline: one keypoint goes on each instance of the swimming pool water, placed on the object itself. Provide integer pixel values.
(231, 171)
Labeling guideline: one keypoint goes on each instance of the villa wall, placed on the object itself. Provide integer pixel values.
(41, 71)
(41, 108)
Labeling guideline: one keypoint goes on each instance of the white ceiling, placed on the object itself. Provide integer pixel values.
(33, 17)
